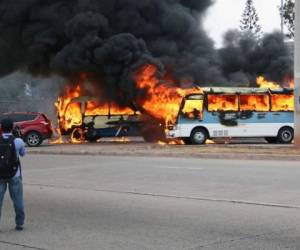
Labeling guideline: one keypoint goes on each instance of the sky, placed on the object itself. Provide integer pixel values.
(226, 14)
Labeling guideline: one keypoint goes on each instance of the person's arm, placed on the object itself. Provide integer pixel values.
(20, 146)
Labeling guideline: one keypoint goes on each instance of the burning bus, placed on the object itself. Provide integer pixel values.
(190, 114)
(84, 118)
(235, 112)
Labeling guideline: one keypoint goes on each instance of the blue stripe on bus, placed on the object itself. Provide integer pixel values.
(242, 117)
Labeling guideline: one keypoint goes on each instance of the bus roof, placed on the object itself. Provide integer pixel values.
(228, 90)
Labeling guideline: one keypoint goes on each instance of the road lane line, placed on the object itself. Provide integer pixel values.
(20, 245)
(107, 165)
(199, 198)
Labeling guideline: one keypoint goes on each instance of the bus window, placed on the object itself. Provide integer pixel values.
(254, 103)
(282, 102)
(222, 103)
(193, 109)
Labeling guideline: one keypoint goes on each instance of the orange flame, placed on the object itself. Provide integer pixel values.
(70, 111)
(282, 102)
(254, 103)
(162, 100)
(263, 83)
(222, 103)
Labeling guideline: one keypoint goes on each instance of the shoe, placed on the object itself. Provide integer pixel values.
(19, 227)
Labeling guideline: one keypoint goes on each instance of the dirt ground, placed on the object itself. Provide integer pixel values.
(243, 149)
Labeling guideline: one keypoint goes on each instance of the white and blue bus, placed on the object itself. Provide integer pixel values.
(235, 112)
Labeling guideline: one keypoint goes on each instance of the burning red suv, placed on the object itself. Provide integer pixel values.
(34, 127)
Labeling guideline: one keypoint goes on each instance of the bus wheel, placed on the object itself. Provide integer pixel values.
(77, 135)
(271, 139)
(199, 136)
(285, 135)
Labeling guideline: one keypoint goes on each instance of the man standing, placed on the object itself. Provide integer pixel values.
(10, 170)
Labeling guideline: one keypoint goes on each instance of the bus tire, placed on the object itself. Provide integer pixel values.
(271, 139)
(199, 136)
(285, 135)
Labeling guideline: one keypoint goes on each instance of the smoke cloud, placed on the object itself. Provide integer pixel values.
(244, 58)
(110, 39)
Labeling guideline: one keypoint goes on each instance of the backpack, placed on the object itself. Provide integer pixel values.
(9, 162)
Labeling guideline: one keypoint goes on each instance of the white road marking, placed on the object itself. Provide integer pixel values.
(102, 165)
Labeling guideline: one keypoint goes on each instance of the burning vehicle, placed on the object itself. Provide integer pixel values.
(85, 119)
(84, 122)
(236, 112)
(139, 62)
(191, 115)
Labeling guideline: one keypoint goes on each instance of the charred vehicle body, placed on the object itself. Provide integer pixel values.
(86, 120)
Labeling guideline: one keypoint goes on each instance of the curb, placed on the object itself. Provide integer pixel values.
(231, 156)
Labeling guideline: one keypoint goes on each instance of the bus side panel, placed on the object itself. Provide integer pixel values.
(238, 124)
(265, 124)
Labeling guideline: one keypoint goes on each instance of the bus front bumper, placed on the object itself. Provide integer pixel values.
(173, 134)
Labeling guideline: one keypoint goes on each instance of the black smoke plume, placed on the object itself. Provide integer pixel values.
(110, 39)
(244, 58)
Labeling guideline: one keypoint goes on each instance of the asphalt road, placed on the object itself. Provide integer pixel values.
(135, 203)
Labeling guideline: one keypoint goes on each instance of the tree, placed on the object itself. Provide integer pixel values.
(288, 12)
(250, 20)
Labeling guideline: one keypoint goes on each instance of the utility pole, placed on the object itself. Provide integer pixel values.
(297, 76)
(281, 17)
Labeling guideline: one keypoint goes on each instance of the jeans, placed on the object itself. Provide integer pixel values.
(15, 188)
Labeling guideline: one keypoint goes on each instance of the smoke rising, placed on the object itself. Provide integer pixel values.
(110, 39)
(243, 58)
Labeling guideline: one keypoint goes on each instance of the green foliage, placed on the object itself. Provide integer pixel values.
(250, 20)
(288, 12)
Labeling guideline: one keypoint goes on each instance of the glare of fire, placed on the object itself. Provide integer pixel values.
(208, 141)
(162, 100)
(93, 108)
(254, 103)
(122, 139)
(162, 143)
(59, 139)
(263, 83)
(222, 102)
(67, 119)
(70, 112)
(282, 102)
(173, 142)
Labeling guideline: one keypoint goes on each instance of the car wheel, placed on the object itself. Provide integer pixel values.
(33, 139)
(271, 139)
(199, 136)
(285, 135)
